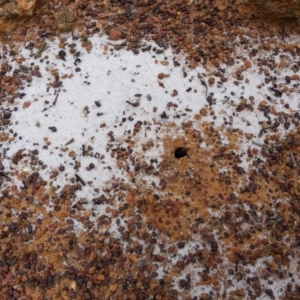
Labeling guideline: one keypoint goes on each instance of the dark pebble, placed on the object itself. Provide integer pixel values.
(30, 229)
(62, 54)
(240, 170)
(214, 246)
(53, 129)
(181, 245)
(98, 104)
(61, 168)
(269, 292)
(6, 115)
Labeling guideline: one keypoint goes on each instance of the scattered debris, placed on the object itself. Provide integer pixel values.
(181, 205)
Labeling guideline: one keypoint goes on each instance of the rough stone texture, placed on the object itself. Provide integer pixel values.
(7, 10)
(65, 18)
(26, 7)
(275, 9)
(20, 8)
(12, 11)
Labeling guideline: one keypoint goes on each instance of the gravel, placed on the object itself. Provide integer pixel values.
(151, 153)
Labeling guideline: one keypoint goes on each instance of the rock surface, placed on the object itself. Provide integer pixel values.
(65, 18)
(26, 7)
(20, 8)
(275, 9)
(12, 11)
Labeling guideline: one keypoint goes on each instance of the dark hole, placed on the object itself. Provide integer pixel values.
(180, 152)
